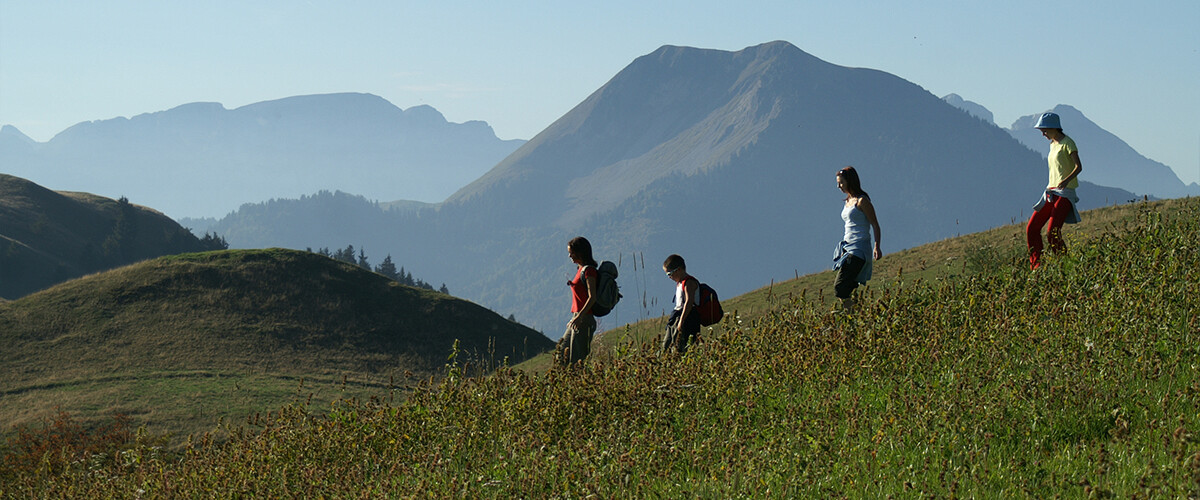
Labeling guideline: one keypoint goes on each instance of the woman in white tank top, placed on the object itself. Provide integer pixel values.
(855, 253)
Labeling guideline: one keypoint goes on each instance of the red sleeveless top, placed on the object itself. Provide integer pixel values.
(579, 290)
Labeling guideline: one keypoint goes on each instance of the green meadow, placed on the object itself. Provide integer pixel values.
(962, 374)
(179, 343)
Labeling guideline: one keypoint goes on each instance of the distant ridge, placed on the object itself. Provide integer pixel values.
(202, 160)
(11, 138)
(974, 108)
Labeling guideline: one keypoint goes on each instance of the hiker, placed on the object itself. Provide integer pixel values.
(1057, 204)
(854, 255)
(577, 341)
(684, 323)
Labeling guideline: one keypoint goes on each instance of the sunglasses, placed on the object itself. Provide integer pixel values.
(672, 271)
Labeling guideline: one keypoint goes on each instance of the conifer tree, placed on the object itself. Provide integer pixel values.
(214, 242)
(362, 259)
(116, 246)
(387, 268)
(346, 255)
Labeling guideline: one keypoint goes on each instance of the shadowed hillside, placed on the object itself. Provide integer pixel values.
(275, 316)
(48, 237)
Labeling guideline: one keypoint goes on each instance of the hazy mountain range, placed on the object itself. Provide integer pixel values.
(727, 158)
(202, 160)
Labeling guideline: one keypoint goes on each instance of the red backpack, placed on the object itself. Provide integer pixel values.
(710, 307)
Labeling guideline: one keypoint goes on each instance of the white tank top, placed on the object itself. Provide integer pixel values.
(679, 295)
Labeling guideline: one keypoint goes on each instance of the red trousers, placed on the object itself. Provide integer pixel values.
(1056, 212)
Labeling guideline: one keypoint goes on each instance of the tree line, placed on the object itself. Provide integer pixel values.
(386, 268)
(125, 243)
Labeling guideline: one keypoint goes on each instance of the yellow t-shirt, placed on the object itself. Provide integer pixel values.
(1061, 164)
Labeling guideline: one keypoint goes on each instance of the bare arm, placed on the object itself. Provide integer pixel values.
(591, 300)
(690, 286)
(868, 209)
(1074, 172)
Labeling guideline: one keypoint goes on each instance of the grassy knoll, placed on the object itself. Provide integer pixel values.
(182, 341)
(1079, 380)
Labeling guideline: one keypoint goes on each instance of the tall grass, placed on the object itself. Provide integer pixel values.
(1077, 380)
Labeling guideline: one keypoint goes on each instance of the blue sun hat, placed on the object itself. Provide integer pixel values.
(1048, 120)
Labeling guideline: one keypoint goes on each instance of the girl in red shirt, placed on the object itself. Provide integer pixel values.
(577, 341)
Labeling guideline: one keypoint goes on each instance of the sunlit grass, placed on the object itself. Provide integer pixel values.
(1077, 380)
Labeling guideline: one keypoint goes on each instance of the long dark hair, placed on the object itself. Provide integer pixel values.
(583, 249)
(853, 185)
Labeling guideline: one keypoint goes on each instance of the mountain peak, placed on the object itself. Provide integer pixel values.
(9, 131)
(974, 109)
(678, 111)
(197, 108)
(345, 100)
(426, 113)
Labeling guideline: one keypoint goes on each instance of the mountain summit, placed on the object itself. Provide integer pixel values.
(676, 112)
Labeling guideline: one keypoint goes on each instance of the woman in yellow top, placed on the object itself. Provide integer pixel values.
(1057, 204)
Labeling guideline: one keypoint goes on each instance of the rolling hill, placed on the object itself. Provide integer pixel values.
(179, 341)
(48, 237)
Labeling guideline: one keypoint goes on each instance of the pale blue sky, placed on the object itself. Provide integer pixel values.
(1132, 67)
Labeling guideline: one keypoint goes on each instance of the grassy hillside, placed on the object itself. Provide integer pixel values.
(180, 341)
(1078, 380)
(48, 237)
(940, 261)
